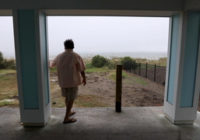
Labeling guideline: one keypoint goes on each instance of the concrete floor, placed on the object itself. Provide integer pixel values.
(135, 123)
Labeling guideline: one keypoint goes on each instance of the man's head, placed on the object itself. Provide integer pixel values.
(69, 44)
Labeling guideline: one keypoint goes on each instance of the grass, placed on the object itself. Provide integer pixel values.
(89, 101)
(53, 70)
(140, 81)
(159, 62)
(8, 102)
(8, 88)
(7, 71)
(8, 82)
(81, 101)
(89, 69)
(112, 75)
(135, 79)
(128, 78)
(9, 92)
(98, 70)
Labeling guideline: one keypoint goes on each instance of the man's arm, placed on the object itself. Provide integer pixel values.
(84, 78)
(81, 67)
(53, 63)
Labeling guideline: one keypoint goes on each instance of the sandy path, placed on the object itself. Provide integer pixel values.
(133, 93)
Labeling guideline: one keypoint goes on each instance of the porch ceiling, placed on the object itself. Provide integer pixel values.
(169, 5)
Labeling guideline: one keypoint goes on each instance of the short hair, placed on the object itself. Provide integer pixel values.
(69, 44)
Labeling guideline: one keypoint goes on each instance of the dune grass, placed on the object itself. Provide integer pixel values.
(128, 78)
(140, 80)
(112, 75)
(7, 71)
(89, 101)
(9, 92)
(8, 102)
(92, 70)
(8, 88)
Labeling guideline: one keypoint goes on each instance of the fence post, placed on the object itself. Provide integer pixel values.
(146, 69)
(155, 72)
(118, 88)
(139, 68)
(132, 70)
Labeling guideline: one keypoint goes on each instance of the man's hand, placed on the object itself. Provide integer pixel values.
(84, 78)
(52, 65)
(84, 81)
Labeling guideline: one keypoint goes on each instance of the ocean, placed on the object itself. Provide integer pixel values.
(145, 55)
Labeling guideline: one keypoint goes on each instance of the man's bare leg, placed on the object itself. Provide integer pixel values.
(69, 105)
(66, 103)
(71, 112)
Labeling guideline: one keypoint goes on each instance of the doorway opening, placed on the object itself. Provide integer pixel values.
(8, 77)
(139, 43)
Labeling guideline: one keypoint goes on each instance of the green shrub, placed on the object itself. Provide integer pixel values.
(1, 61)
(88, 66)
(111, 64)
(1, 57)
(128, 63)
(99, 61)
(7, 64)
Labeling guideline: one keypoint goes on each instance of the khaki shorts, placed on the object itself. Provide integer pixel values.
(70, 93)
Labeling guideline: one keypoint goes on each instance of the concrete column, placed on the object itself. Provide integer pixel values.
(32, 66)
(183, 73)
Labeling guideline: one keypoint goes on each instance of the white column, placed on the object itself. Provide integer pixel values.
(183, 74)
(32, 66)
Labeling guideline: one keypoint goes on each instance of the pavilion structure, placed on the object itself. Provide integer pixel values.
(30, 33)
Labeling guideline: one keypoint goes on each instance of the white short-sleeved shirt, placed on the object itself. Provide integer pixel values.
(69, 67)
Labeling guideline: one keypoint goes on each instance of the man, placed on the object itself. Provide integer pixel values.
(70, 69)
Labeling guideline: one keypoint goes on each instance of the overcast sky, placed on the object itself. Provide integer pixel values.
(98, 34)
(6, 36)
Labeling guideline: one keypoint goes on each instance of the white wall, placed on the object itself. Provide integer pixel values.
(171, 5)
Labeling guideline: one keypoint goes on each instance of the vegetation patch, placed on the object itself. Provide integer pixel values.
(53, 70)
(159, 62)
(99, 61)
(99, 81)
(136, 79)
(112, 75)
(7, 71)
(89, 101)
(98, 70)
(6, 102)
(8, 82)
(128, 63)
(140, 81)
(7, 63)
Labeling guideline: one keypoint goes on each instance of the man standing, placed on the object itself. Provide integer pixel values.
(70, 70)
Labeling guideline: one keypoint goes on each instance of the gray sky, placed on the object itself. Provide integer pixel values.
(109, 34)
(98, 34)
(6, 36)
